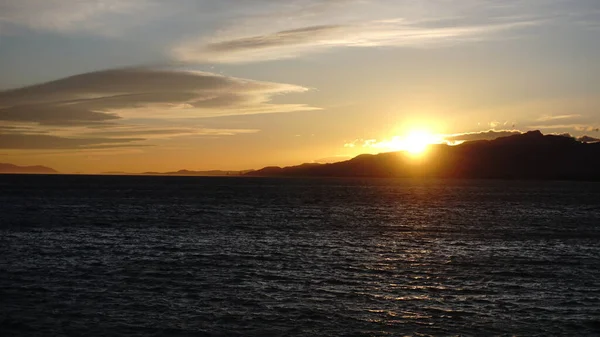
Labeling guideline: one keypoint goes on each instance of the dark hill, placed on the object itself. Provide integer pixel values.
(10, 168)
(531, 155)
(197, 173)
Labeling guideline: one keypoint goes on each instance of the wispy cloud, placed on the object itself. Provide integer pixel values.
(576, 127)
(155, 133)
(310, 39)
(106, 96)
(39, 142)
(126, 105)
(547, 118)
(273, 30)
(113, 17)
(67, 16)
(84, 139)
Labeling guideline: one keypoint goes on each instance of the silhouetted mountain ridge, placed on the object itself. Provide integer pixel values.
(197, 173)
(11, 168)
(530, 155)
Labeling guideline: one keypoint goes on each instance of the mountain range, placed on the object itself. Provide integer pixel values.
(10, 168)
(530, 155)
(199, 173)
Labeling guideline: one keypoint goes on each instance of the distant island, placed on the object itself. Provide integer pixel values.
(10, 168)
(210, 173)
(530, 155)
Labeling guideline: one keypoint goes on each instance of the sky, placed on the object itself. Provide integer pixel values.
(149, 85)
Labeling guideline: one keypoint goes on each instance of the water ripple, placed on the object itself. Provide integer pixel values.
(172, 256)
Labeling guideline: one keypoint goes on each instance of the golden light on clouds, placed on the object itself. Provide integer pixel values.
(372, 76)
(414, 142)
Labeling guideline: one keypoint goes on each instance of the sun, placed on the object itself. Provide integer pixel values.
(417, 141)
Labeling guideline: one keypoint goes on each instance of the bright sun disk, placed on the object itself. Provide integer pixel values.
(416, 142)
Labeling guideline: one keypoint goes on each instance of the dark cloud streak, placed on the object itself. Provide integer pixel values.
(98, 97)
(55, 114)
(42, 142)
(282, 38)
(96, 109)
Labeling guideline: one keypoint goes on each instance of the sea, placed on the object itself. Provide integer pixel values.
(242, 256)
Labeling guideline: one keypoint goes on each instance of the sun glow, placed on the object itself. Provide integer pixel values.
(416, 142)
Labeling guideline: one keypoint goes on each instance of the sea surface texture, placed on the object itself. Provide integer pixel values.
(189, 256)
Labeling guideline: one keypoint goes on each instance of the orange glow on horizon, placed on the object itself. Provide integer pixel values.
(415, 142)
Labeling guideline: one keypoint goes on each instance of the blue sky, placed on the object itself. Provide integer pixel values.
(162, 85)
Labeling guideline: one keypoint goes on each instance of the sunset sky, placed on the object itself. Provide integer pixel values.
(150, 85)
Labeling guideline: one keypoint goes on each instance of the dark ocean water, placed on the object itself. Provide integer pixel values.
(187, 256)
